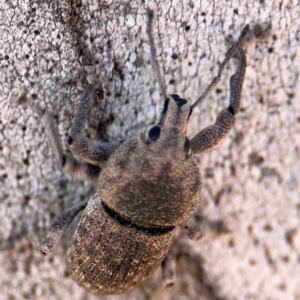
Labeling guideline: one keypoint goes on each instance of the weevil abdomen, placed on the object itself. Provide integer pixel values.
(110, 256)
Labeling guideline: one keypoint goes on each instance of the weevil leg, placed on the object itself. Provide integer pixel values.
(192, 230)
(212, 136)
(93, 152)
(69, 164)
(230, 54)
(169, 269)
(58, 227)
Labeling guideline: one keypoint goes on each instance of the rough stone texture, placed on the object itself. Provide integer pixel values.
(251, 210)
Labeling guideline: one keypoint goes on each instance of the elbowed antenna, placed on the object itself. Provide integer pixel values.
(153, 53)
(231, 52)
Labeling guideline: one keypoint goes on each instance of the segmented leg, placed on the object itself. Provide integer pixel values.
(192, 230)
(93, 152)
(69, 164)
(169, 268)
(58, 227)
(212, 136)
(230, 53)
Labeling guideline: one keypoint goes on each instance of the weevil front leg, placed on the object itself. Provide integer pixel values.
(93, 152)
(69, 164)
(58, 227)
(212, 136)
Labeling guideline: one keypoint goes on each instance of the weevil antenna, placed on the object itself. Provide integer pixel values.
(230, 53)
(153, 53)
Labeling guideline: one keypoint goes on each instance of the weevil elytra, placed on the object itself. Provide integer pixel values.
(147, 185)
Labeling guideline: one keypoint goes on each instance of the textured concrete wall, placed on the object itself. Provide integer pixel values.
(250, 205)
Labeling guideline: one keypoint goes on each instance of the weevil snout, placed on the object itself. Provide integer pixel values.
(175, 113)
(168, 135)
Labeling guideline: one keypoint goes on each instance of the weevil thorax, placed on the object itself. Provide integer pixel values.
(152, 180)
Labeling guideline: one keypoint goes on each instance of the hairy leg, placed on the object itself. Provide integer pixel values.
(93, 152)
(192, 230)
(212, 136)
(58, 227)
(169, 269)
(69, 164)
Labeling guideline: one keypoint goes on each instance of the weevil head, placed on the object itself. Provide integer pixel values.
(168, 136)
(152, 180)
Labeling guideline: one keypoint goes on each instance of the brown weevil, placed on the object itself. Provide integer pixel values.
(147, 185)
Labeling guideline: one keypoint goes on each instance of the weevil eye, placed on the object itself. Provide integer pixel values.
(154, 133)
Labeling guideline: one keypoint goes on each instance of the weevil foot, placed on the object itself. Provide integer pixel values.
(88, 65)
(44, 248)
(192, 230)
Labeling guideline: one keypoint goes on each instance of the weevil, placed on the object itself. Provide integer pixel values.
(148, 184)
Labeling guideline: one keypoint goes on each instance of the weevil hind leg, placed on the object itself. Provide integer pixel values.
(169, 263)
(58, 227)
(212, 136)
(169, 269)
